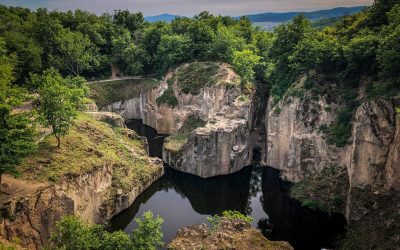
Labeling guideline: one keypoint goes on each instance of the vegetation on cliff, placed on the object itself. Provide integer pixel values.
(325, 191)
(72, 233)
(232, 230)
(175, 142)
(90, 144)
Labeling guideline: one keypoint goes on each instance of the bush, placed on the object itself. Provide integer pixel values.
(313, 205)
(71, 233)
(168, 98)
(228, 214)
(148, 236)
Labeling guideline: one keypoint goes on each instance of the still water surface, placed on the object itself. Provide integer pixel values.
(183, 199)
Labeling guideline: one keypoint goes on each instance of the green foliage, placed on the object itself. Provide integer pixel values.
(60, 99)
(175, 142)
(324, 191)
(148, 235)
(244, 62)
(313, 205)
(168, 98)
(17, 133)
(71, 233)
(230, 215)
(194, 76)
(172, 50)
(76, 52)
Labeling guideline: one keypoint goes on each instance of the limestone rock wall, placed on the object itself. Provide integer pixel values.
(89, 196)
(217, 149)
(294, 143)
(298, 147)
(222, 146)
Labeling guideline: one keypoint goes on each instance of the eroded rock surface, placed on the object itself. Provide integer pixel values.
(222, 145)
(298, 147)
(229, 234)
(29, 214)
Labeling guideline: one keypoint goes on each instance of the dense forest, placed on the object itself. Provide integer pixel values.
(39, 46)
(52, 54)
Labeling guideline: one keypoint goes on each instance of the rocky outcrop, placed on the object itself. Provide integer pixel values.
(298, 147)
(229, 234)
(295, 145)
(373, 138)
(97, 193)
(113, 119)
(222, 145)
(89, 196)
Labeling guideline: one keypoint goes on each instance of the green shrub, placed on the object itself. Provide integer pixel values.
(148, 235)
(277, 110)
(313, 205)
(175, 142)
(71, 233)
(228, 214)
(168, 98)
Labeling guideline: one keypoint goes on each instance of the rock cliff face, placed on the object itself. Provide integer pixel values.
(294, 143)
(93, 196)
(298, 147)
(229, 234)
(222, 145)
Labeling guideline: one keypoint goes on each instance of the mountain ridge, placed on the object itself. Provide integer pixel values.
(277, 16)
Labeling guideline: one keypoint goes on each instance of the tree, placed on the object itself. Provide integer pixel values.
(76, 52)
(389, 45)
(287, 37)
(173, 50)
(116, 241)
(71, 233)
(130, 21)
(148, 235)
(244, 62)
(60, 99)
(318, 51)
(225, 43)
(17, 131)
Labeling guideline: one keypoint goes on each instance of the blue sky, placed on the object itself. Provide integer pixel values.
(188, 7)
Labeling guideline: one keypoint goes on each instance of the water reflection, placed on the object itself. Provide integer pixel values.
(183, 199)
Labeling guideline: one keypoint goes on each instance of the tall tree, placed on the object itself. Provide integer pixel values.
(60, 99)
(76, 52)
(17, 132)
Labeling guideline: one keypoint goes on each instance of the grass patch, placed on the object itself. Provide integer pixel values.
(90, 145)
(325, 191)
(175, 142)
(194, 76)
(168, 97)
(105, 93)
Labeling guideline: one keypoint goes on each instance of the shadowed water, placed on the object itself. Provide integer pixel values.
(183, 199)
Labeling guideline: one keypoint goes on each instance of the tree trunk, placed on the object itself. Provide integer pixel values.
(58, 141)
(1, 189)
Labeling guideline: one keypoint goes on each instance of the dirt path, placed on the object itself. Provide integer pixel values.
(12, 187)
(112, 79)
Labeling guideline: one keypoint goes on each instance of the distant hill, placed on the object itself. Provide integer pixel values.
(313, 15)
(274, 18)
(163, 17)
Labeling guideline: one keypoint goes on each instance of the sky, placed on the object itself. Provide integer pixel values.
(188, 7)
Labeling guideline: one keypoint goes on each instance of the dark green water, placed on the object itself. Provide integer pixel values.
(183, 199)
